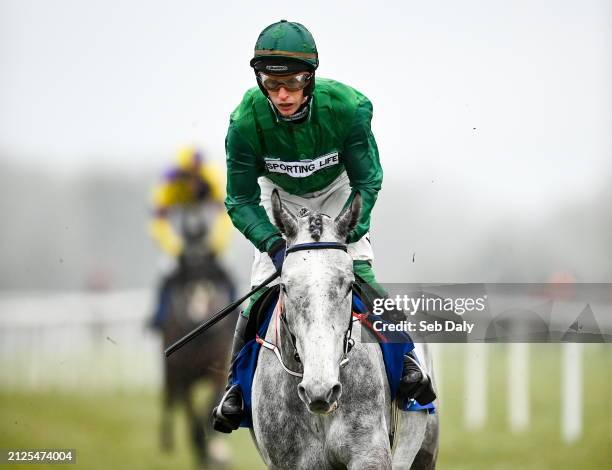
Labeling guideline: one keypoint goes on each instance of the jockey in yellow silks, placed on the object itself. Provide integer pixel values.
(190, 181)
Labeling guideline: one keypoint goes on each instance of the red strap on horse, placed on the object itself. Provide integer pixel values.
(363, 319)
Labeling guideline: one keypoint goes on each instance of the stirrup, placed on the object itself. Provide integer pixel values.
(223, 423)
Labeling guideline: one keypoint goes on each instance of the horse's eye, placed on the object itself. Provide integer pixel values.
(283, 288)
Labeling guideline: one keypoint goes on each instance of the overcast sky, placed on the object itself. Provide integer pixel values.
(513, 97)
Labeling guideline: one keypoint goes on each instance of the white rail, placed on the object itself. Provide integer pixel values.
(78, 341)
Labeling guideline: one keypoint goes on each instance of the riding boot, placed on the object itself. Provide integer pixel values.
(415, 382)
(228, 414)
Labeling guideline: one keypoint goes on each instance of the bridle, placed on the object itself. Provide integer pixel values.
(279, 315)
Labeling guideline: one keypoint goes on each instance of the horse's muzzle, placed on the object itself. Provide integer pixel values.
(320, 399)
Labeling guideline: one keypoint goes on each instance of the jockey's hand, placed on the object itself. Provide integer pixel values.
(277, 253)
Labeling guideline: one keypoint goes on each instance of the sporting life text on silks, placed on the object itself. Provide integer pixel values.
(303, 168)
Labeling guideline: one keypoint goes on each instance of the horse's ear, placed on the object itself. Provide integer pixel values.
(284, 220)
(348, 218)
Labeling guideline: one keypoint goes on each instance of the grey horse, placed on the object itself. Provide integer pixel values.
(323, 407)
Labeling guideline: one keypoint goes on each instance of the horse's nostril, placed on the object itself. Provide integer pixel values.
(319, 398)
(334, 393)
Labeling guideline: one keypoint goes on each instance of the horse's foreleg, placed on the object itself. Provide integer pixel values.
(410, 434)
(196, 426)
(166, 431)
(371, 451)
(427, 455)
(377, 459)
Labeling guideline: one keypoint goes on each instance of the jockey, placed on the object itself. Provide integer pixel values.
(313, 143)
(188, 182)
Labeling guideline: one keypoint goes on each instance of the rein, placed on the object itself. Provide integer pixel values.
(279, 313)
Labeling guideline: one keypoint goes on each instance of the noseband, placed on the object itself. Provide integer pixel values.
(349, 342)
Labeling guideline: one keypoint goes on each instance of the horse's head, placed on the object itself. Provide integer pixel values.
(317, 291)
(197, 254)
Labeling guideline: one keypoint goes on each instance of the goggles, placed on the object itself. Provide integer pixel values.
(290, 82)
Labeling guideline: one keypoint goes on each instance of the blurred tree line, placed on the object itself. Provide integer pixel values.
(89, 230)
(72, 231)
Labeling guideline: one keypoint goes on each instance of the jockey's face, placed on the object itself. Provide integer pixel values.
(287, 102)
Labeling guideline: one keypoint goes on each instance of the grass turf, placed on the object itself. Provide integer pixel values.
(120, 431)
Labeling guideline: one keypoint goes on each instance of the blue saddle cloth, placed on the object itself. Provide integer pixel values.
(394, 345)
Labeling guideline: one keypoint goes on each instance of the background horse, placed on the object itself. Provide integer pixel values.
(333, 416)
(199, 288)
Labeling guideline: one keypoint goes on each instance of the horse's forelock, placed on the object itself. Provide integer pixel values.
(315, 226)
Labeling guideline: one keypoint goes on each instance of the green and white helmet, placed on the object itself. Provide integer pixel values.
(285, 47)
